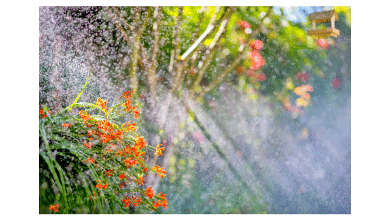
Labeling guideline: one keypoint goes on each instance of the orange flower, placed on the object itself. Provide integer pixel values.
(299, 91)
(126, 201)
(84, 115)
(122, 185)
(43, 114)
(140, 142)
(149, 192)
(109, 172)
(127, 94)
(159, 150)
(136, 201)
(135, 112)
(140, 180)
(100, 186)
(159, 170)
(122, 176)
(54, 208)
(301, 102)
(102, 104)
(129, 127)
(306, 96)
(66, 125)
(145, 169)
(130, 162)
(86, 144)
(90, 160)
(161, 202)
(156, 204)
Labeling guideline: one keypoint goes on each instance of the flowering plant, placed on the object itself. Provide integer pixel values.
(90, 162)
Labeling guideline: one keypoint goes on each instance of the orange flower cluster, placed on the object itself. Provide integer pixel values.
(85, 116)
(159, 170)
(159, 150)
(43, 114)
(131, 155)
(100, 186)
(131, 161)
(305, 97)
(102, 104)
(161, 202)
(127, 105)
(134, 153)
(149, 192)
(135, 200)
(109, 172)
(140, 180)
(122, 176)
(66, 125)
(54, 208)
(129, 127)
(90, 160)
(107, 133)
(122, 185)
(86, 144)
(140, 142)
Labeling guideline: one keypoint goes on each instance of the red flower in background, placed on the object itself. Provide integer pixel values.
(243, 24)
(257, 44)
(302, 76)
(257, 60)
(336, 82)
(251, 73)
(323, 44)
(262, 77)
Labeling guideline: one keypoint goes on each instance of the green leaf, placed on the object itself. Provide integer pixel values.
(75, 101)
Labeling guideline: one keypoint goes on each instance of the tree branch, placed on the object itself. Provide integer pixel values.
(152, 70)
(221, 76)
(176, 55)
(210, 55)
(235, 62)
(123, 32)
(135, 54)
